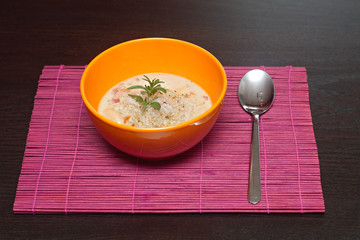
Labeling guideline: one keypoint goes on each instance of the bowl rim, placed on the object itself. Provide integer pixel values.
(154, 129)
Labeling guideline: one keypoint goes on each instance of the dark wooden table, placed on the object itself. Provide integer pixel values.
(321, 35)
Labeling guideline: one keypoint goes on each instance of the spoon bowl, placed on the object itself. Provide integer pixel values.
(256, 95)
(256, 92)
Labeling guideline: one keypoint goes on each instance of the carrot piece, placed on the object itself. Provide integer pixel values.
(126, 119)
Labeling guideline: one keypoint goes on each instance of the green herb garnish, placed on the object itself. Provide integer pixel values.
(149, 90)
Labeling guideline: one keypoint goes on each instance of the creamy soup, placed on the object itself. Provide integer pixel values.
(183, 101)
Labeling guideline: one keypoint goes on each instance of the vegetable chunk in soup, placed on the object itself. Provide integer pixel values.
(154, 100)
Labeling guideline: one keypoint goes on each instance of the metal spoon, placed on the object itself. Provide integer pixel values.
(256, 95)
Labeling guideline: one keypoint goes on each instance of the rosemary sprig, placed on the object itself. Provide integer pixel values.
(149, 90)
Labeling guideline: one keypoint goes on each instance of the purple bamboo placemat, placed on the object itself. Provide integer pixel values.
(69, 168)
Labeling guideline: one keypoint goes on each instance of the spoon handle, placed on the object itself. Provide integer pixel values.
(254, 195)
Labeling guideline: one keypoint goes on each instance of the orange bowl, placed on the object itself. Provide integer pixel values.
(147, 55)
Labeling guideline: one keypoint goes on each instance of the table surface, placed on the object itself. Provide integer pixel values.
(321, 35)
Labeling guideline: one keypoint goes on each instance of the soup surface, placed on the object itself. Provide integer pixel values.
(183, 101)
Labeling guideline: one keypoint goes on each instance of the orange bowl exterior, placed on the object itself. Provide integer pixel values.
(143, 56)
